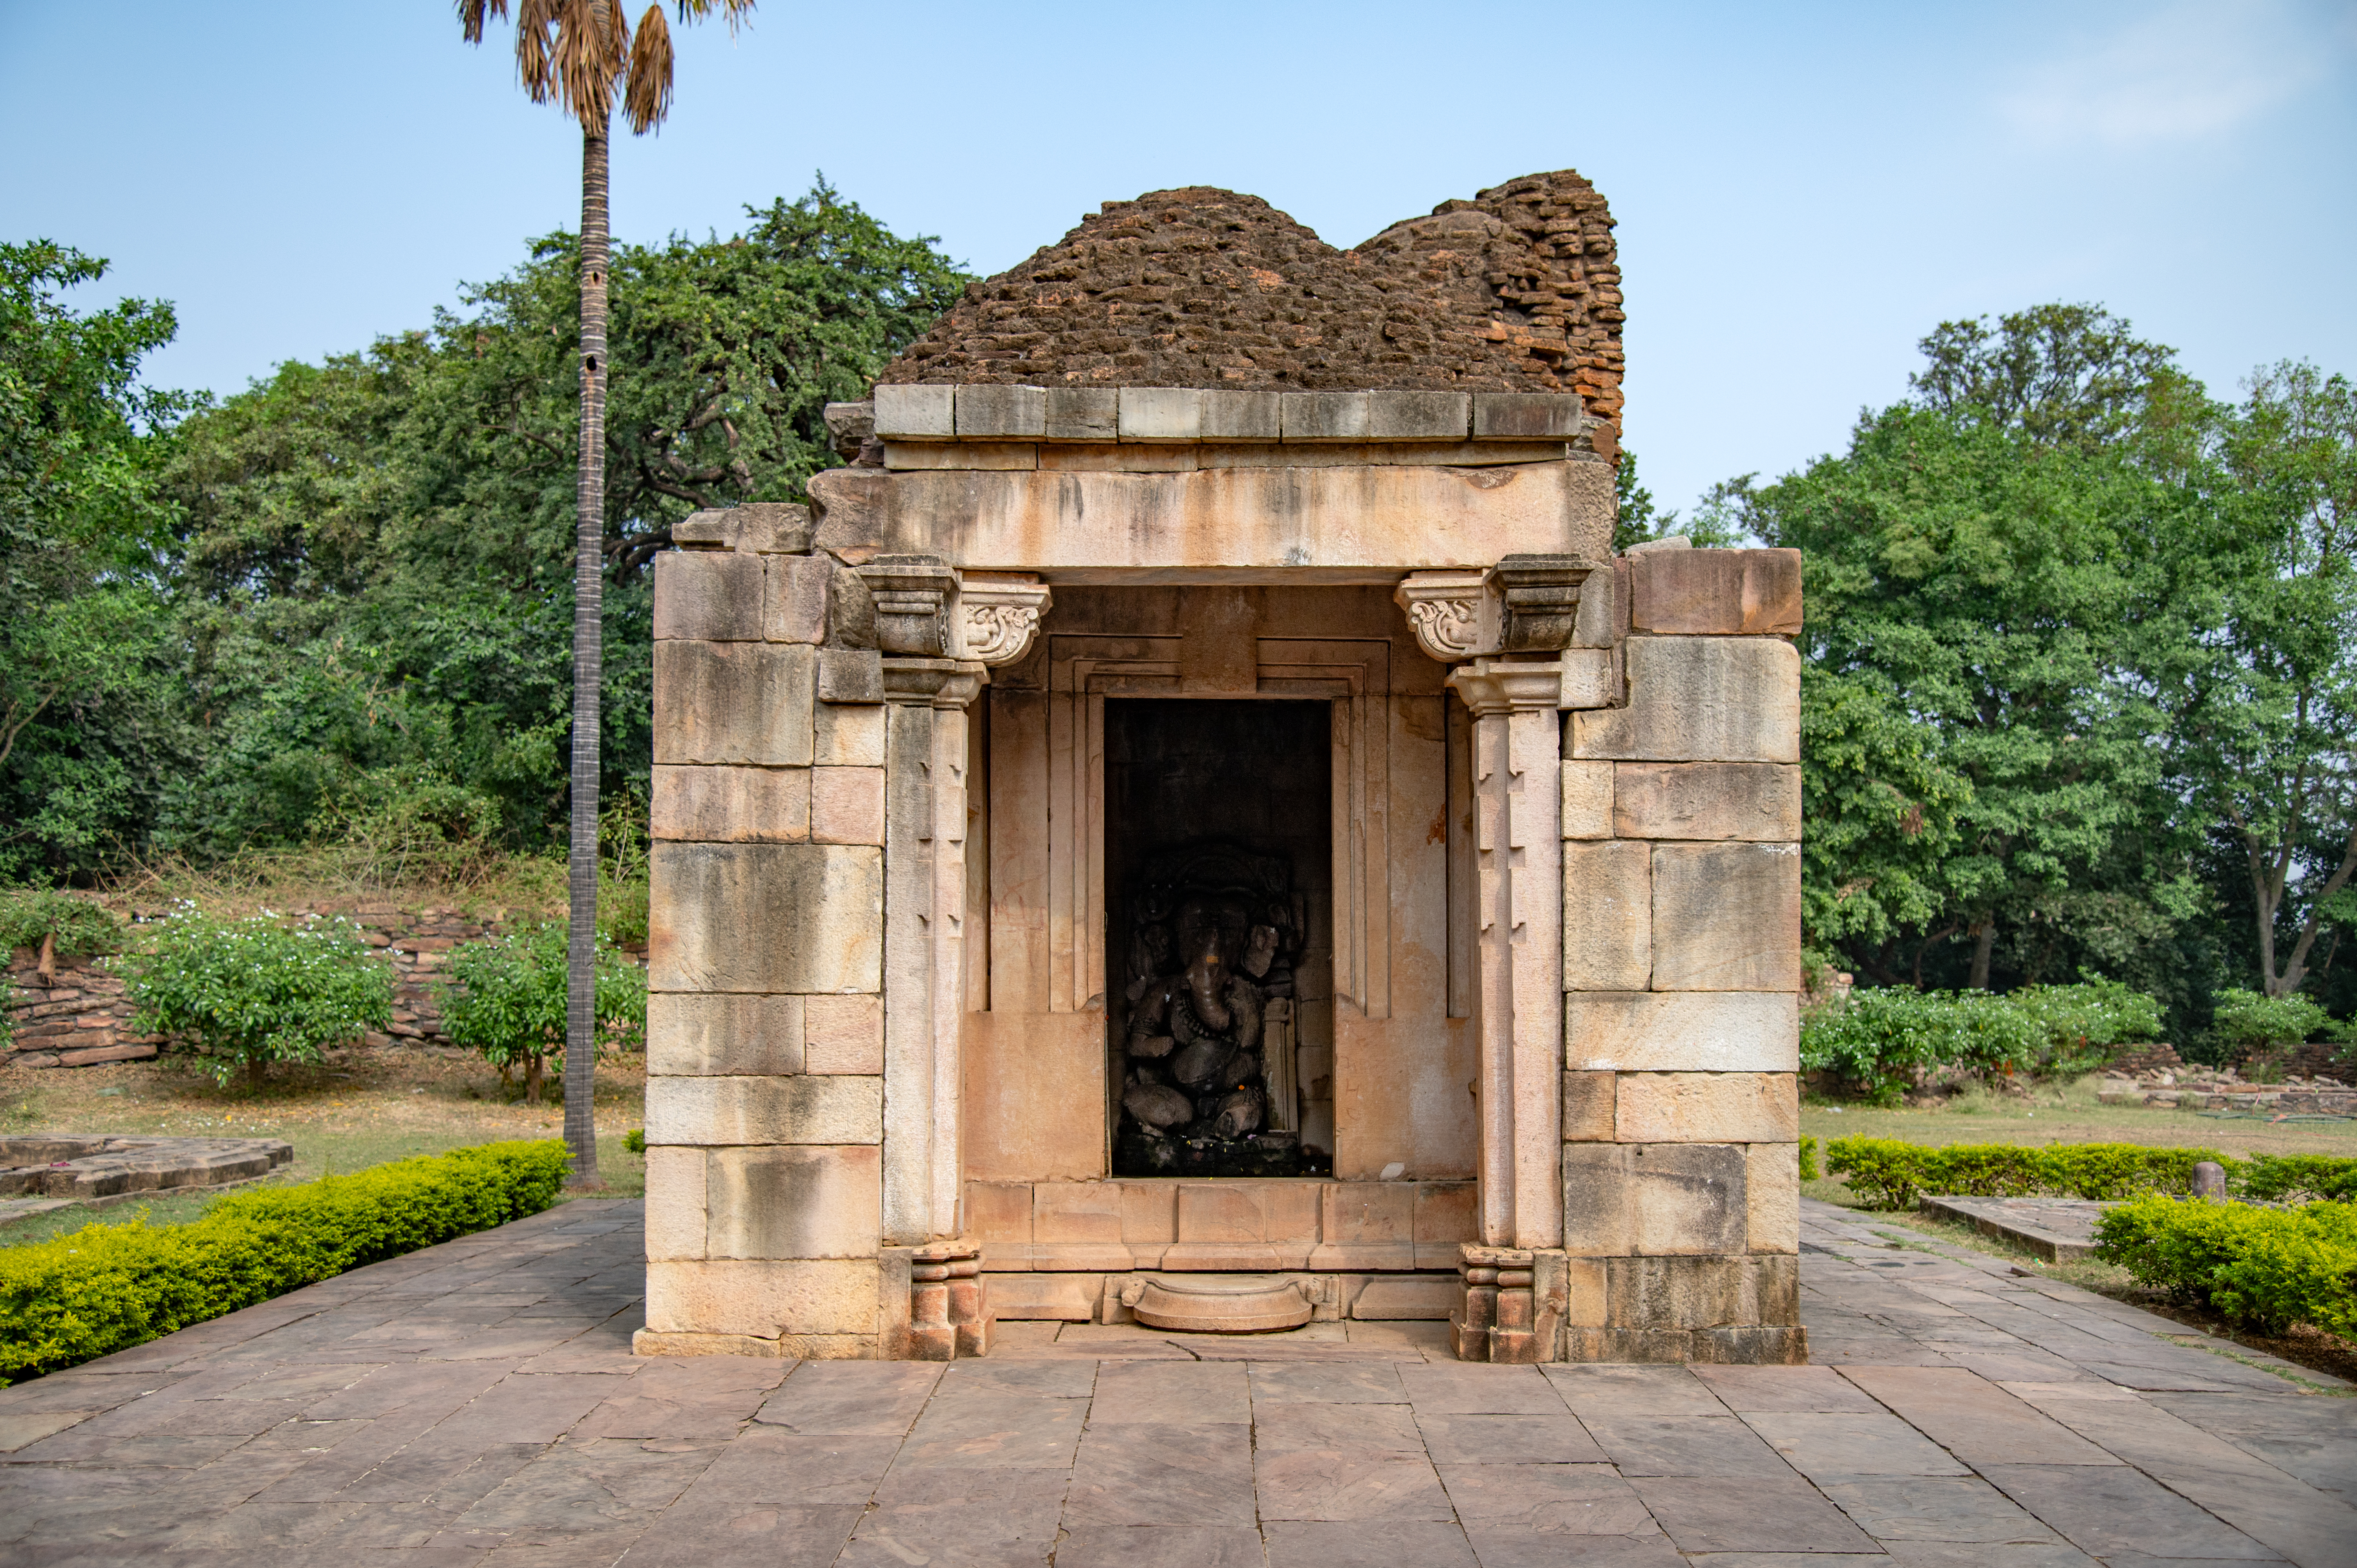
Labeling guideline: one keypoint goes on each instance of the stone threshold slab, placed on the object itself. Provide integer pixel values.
(2058, 1229)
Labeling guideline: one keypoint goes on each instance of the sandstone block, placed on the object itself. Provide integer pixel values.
(707, 596)
(849, 737)
(985, 456)
(714, 1033)
(713, 528)
(1444, 1220)
(916, 413)
(852, 676)
(714, 1111)
(1419, 415)
(1726, 917)
(846, 805)
(1588, 1107)
(1707, 1108)
(1772, 1182)
(1733, 1291)
(1589, 679)
(1070, 1298)
(1608, 916)
(1756, 801)
(1161, 413)
(844, 1034)
(1068, 1212)
(774, 528)
(1630, 1199)
(999, 1212)
(767, 918)
(742, 702)
(1239, 416)
(1747, 593)
(1426, 1298)
(1324, 415)
(794, 598)
(1585, 1281)
(852, 506)
(1082, 413)
(674, 1202)
(766, 1298)
(1004, 413)
(1531, 416)
(731, 805)
(795, 1202)
(1587, 800)
(1690, 1031)
(1700, 699)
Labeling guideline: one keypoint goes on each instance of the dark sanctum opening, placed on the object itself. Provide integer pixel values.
(1218, 852)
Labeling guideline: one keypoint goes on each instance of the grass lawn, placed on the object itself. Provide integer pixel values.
(362, 1109)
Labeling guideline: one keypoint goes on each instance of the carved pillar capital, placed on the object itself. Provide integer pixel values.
(916, 605)
(1505, 686)
(934, 683)
(999, 615)
(1529, 604)
(1445, 609)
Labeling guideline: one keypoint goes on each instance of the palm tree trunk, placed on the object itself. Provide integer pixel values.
(588, 664)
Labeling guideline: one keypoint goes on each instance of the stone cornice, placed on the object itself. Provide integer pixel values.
(933, 683)
(1502, 686)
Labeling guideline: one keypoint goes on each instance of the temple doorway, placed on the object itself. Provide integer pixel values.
(1219, 944)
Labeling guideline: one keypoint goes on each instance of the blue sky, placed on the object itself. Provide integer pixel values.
(1803, 190)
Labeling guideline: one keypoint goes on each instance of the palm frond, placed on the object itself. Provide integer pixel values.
(535, 53)
(732, 11)
(473, 14)
(593, 42)
(647, 98)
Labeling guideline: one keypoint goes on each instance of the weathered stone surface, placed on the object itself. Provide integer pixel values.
(1609, 915)
(1726, 917)
(731, 805)
(769, 917)
(1005, 412)
(795, 1202)
(849, 736)
(1008, 455)
(1419, 415)
(847, 804)
(1309, 524)
(1748, 593)
(1527, 415)
(765, 1298)
(850, 676)
(1707, 1108)
(1755, 801)
(1240, 416)
(1691, 1031)
(809, 1109)
(708, 595)
(916, 413)
(1589, 1098)
(1628, 1199)
(1725, 1291)
(1161, 413)
(1324, 415)
(1700, 699)
(1082, 413)
(795, 595)
(744, 703)
(774, 528)
(1771, 1185)
(714, 1034)
(844, 1034)
(674, 1202)
(1587, 800)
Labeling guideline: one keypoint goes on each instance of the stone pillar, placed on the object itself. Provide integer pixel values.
(924, 922)
(1518, 953)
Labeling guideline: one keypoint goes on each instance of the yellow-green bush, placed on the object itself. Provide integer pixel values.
(1890, 1174)
(107, 1287)
(2267, 1267)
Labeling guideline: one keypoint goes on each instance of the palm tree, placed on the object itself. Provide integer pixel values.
(576, 53)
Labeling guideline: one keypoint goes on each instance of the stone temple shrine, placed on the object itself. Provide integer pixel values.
(1194, 825)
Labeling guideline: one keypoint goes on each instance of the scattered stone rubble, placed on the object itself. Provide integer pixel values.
(2185, 1088)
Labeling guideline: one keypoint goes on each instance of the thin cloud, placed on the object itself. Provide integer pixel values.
(2187, 74)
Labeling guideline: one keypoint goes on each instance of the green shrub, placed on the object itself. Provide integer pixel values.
(635, 1140)
(1890, 1174)
(2079, 1025)
(2278, 1178)
(2267, 1267)
(1809, 1171)
(1875, 1043)
(506, 999)
(29, 915)
(2247, 1020)
(258, 991)
(106, 1287)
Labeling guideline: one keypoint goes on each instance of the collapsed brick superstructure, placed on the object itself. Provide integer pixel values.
(1528, 1029)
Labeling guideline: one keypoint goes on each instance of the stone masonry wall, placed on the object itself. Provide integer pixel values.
(1682, 889)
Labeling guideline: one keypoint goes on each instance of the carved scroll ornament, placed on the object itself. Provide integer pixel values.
(1444, 609)
(1000, 614)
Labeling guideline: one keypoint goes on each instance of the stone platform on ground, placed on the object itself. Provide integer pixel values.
(42, 1172)
(477, 1403)
(2058, 1229)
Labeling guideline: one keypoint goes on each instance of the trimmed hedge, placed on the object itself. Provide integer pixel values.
(1890, 1174)
(2282, 1177)
(107, 1287)
(2267, 1267)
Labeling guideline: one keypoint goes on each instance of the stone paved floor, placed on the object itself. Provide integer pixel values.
(476, 1404)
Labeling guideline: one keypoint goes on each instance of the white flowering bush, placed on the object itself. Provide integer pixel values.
(259, 990)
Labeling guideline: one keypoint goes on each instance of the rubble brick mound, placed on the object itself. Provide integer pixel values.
(1518, 290)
